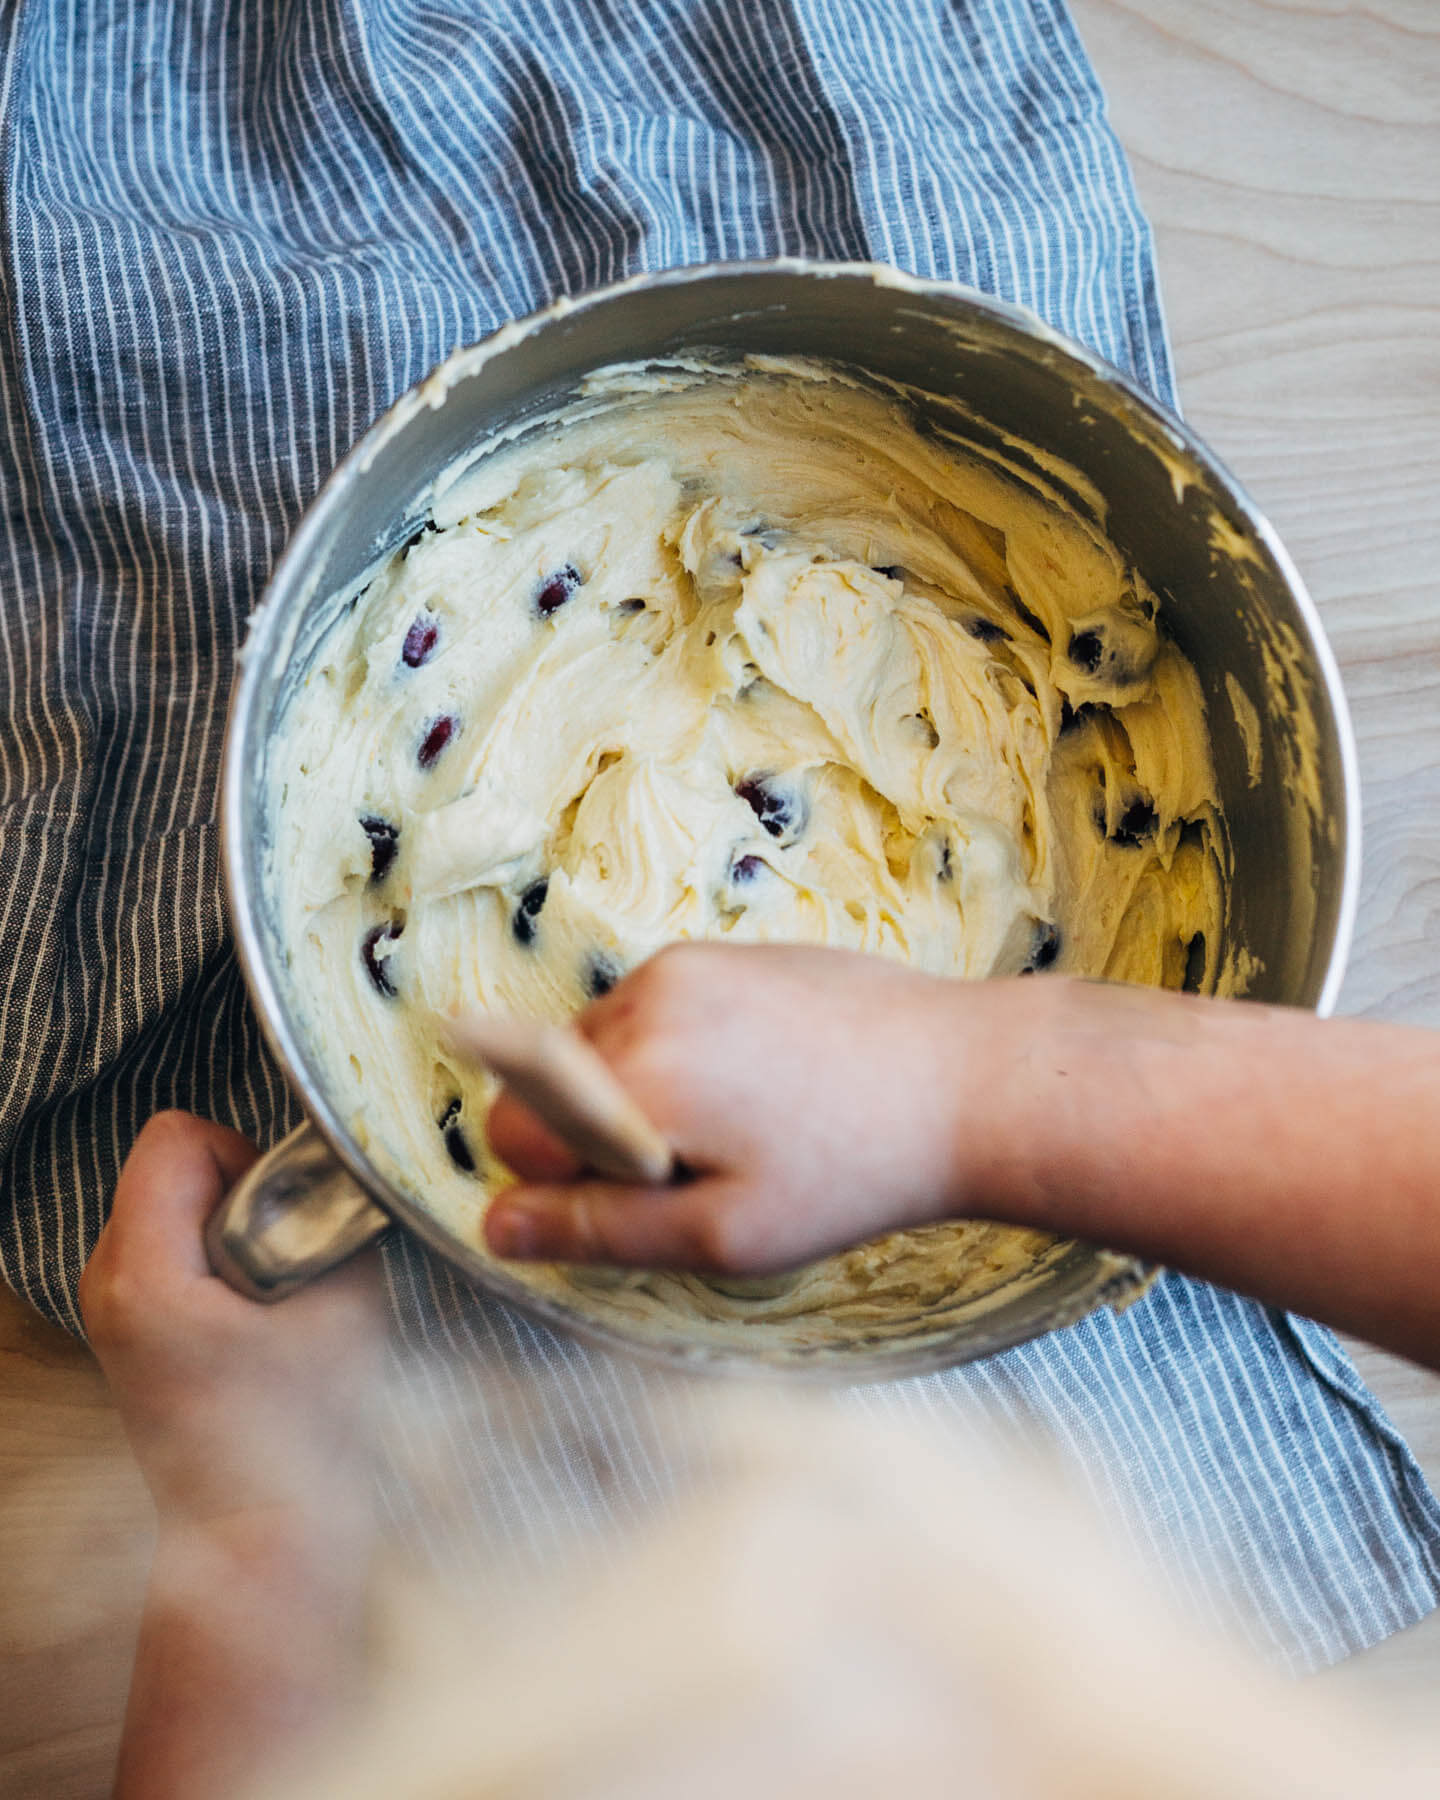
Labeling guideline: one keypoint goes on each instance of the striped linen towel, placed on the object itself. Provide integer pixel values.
(234, 230)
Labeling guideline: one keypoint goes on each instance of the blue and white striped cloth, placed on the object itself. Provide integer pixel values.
(233, 231)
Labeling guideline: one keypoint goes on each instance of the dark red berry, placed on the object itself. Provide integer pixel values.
(384, 842)
(1137, 823)
(452, 1135)
(775, 809)
(1087, 651)
(632, 605)
(556, 590)
(526, 913)
(458, 1147)
(601, 974)
(376, 966)
(746, 868)
(1045, 948)
(420, 641)
(438, 734)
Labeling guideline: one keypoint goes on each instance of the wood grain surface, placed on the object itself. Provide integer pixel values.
(1288, 155)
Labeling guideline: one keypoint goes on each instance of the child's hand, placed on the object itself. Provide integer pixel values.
(231, 1407)
(252, 1426)
(819, 1097)
(822, 1097)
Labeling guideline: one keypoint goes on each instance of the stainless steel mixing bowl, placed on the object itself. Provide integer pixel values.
(987, 372)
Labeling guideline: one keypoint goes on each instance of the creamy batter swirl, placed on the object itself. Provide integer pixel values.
(738, 655)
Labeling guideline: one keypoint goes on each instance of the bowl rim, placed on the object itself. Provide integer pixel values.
(287, 588)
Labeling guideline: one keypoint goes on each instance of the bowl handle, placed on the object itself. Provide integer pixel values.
(293, 1216)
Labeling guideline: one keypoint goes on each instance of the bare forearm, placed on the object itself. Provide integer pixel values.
(251, 1640)
(821, 1098)
(1292, 1158)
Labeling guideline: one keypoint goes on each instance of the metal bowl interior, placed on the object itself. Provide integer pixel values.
(974, 369)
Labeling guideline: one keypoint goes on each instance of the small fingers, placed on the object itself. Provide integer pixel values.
(708, 1226)
(177, 1171)
(529, 1147)
(152, 1246)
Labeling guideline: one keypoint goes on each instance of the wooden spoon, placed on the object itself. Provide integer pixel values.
(565, 1082)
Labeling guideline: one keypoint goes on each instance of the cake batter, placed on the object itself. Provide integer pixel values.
(739, 655)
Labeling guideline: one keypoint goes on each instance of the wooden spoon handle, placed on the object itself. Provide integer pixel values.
(566, 1082)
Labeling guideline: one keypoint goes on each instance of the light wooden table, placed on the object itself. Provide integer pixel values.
(1289, 157)
(1287, 153)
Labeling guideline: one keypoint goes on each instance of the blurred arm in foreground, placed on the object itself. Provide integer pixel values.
(821, 1097)
(842, 1609)
(247, 1423)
